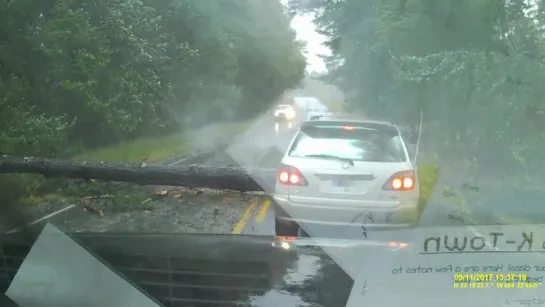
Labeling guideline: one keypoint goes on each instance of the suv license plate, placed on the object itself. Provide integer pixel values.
(340, 183)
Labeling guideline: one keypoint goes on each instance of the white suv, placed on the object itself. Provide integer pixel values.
(343, 172)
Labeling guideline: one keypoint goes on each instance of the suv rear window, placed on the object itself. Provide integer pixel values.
(357, 143)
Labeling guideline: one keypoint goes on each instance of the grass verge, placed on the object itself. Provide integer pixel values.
(33, 190)
(428, 174)
(464, 208)
(478, 202)
(156, 148)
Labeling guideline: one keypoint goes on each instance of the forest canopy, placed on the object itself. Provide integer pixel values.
(77, 74)
(475, 68)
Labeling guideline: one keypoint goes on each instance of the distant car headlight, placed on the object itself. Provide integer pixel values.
(276, 113)
(290, 114)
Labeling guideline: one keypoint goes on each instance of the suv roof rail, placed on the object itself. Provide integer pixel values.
(321, 116)
(351, 118)
(358, 122)
(355, 117)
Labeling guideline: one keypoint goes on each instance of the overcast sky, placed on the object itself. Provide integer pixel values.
(306, 31)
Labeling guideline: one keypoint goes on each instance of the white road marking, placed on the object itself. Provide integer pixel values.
(43, 218)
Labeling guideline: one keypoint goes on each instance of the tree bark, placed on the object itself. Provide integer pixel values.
(197, 176)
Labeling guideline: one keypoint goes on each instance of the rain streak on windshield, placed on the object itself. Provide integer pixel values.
(184, 146)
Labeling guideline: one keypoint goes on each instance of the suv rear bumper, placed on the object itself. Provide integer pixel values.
(377, 214)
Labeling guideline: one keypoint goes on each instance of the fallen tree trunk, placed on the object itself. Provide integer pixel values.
(197, 176)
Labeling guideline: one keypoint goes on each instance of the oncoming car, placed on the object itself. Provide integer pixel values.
(340, 172)
(284, 112)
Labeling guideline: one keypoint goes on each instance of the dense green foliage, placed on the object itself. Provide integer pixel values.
(476, 69)
(78, 74)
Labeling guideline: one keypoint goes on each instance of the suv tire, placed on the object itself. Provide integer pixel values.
(285, 228)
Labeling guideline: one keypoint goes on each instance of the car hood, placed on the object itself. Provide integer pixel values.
(211, 270)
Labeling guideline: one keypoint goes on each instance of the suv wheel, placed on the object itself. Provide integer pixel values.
(285, 228)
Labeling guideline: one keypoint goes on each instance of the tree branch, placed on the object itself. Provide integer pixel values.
(198, 176)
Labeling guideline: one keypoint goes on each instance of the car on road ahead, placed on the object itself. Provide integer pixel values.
(317, 114)
(284, 112)
(345, 172)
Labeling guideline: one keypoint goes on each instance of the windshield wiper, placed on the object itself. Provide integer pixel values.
(331, 157)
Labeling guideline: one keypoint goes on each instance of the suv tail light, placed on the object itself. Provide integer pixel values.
(401, 181)
(289, 175)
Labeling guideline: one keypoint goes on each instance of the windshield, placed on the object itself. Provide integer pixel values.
(361, 144)
(224, 152)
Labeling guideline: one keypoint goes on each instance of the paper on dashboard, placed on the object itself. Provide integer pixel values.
(59, 272)
(456, 266)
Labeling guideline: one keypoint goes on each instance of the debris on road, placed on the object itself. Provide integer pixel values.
(177, 213)
(181, 210)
